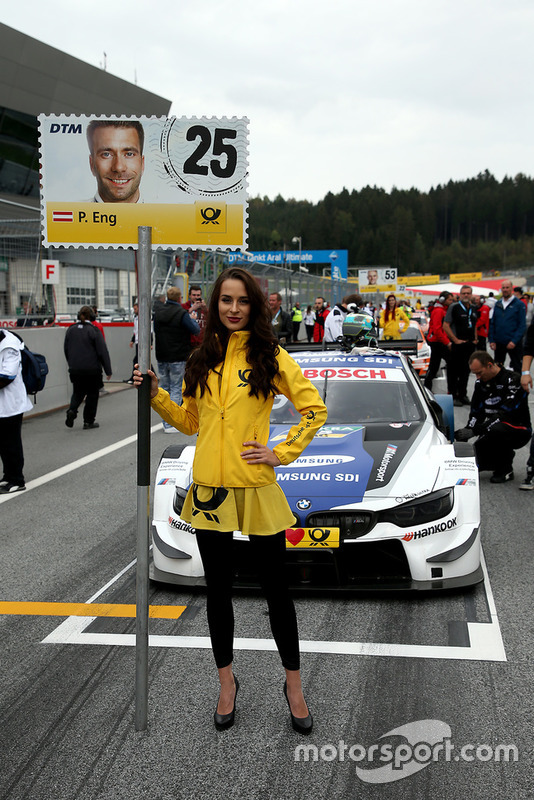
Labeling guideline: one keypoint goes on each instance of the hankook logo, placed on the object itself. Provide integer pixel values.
(439, 528)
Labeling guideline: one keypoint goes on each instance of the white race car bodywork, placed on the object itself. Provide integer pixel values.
(414, 508)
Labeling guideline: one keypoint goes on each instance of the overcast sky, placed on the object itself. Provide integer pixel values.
(341, 93)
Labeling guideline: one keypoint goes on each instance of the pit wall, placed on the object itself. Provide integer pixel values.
(49, 342)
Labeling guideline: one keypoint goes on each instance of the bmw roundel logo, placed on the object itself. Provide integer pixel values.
(303, 504)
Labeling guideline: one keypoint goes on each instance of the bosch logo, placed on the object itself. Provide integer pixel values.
(303, 504)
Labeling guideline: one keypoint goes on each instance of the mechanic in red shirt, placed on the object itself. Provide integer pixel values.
(438, 340)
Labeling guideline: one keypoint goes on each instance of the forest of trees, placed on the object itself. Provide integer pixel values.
(477, 225)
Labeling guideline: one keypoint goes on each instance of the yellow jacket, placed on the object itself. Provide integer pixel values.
(226, 417)
(392, 326)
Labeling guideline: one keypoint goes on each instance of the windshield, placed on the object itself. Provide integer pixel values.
(351, 402)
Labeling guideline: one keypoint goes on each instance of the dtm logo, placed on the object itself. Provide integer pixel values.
(442, 526)
(55, 127)
(303, 504)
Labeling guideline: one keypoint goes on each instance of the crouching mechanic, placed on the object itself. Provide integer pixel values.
(499, 416)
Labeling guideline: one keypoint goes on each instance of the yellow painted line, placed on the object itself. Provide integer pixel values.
(86, 610)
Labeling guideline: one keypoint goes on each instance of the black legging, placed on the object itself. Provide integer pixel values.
(216, 550)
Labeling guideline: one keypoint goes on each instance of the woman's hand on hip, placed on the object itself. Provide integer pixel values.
(259, 454)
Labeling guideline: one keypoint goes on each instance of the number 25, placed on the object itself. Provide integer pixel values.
(220, 148)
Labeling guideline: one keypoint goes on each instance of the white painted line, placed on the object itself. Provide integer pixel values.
(81, 462)
(73, 626)
(473, 653)
(112, 581)
(485, 639)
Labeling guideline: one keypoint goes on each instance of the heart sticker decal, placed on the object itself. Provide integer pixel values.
(294, 535)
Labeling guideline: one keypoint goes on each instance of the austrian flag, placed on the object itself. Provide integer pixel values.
(62, 216)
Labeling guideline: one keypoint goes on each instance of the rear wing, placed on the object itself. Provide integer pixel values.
(406, 346)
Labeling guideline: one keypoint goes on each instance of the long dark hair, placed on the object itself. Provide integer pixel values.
(390, 312)
(262, 346)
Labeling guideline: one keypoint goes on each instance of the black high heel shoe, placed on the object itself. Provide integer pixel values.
(225, 721)
(302, 725)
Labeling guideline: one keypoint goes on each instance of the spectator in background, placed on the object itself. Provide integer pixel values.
(526, 383)
(97, 322)
(86, 354)
(26, 320)
(499, 416)
(392, 318)
(14, 401)
(507, 327)
(173, 327)
(483, 319)
(309, 322)
(296, 319)
(198, 310)
(333, 326)
(530, 309)
(460, 326)
(440, 345)
(518, 292)
(281, 320)
(134, 341)
(321, 312)
(490, 301)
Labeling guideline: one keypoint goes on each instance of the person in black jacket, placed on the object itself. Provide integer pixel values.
(173, 326)
(460, 327)
(499, 416)
(86, 353)
(281, 320)
(526, 383)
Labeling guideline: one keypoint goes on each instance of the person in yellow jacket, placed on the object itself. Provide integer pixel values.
(392, 318)
(230, 383)
(296, 319)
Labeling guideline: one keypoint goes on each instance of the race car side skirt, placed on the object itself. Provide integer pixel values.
(456, 552)
(167, 549)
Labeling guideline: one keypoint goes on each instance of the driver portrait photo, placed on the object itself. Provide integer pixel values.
(116, 159)
(372, 277)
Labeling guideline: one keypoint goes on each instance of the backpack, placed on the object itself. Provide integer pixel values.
(34, 369)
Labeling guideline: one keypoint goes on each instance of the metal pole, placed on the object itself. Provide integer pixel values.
(143, 480)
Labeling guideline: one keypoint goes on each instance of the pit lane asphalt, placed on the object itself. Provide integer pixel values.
(67, 710)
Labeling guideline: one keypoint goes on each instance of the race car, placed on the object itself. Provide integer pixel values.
(421, 361)
(382, 497)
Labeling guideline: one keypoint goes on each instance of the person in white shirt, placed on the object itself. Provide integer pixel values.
(14, 401)
(333, 326)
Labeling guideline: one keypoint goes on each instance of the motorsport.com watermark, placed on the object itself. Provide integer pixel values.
(425, 742)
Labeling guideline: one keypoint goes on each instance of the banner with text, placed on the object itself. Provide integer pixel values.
(338, 259)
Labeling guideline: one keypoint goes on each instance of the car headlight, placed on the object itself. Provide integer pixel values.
(178, 500)
(418, 512)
